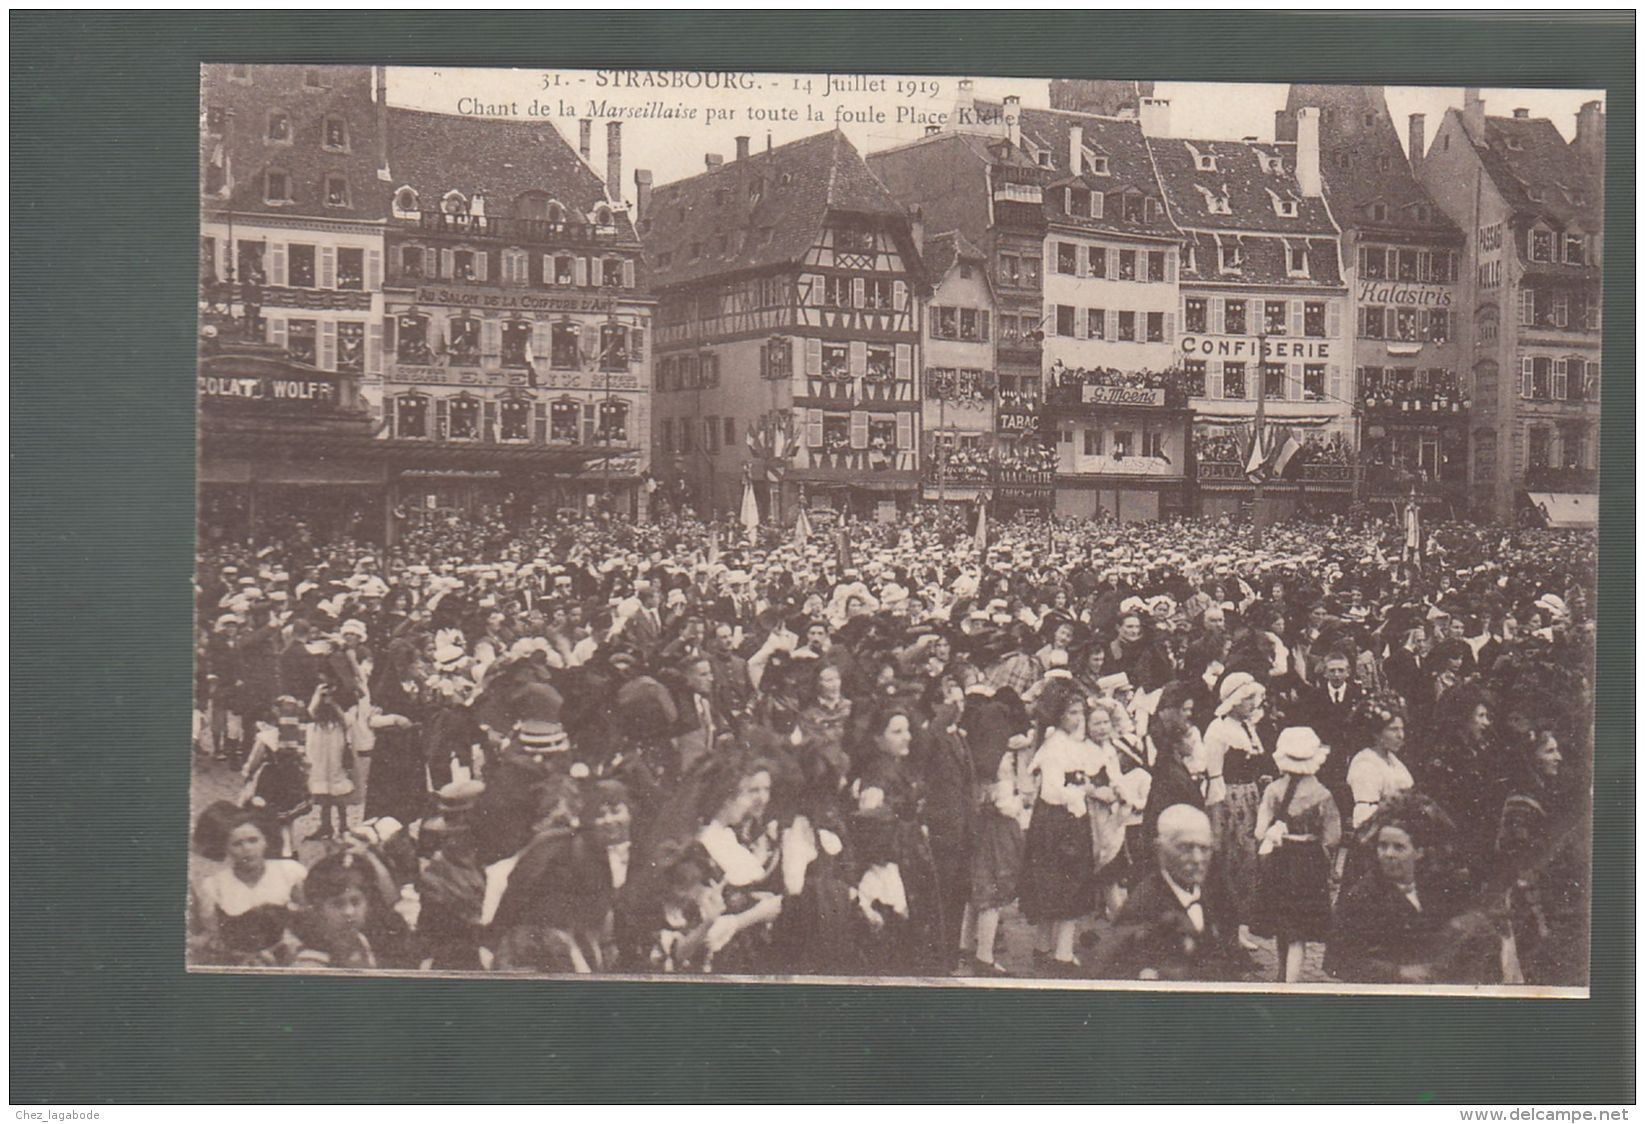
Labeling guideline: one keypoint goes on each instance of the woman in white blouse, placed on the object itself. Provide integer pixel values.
(1059, 861)
(1376, 774)
(1236, 766)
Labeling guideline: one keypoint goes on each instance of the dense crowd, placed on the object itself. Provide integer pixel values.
(609, 747)
(1224, 447)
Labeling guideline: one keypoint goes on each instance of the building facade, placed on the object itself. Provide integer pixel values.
(959, 374)
(518, 319)
(1263, 298)
(788, 338)
(1532, 208)
(1401, 254)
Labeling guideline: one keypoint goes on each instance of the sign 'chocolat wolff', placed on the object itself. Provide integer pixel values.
(268, 388)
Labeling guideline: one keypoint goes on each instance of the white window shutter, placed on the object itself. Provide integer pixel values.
(628, 273)
(1527, 307)
(1097, 199)
(813, 429)
(1296, 318)
(548, 269)
(859, 359)
(1526, 377)
(374, 270)
(1334, 388)
(905, 431)
(579, 272)
(1333, 319)
(1170, 267)
(328, 267)
(1082, 264)
(1050, 320)
(374, 348)
(905, 361)
(277, 331)
(1293, 384)
(542, 341)
(328, 345)
(1560, 379)
(814, 288)
(859, 429)
(491, 338)
(1171, 328)
(636, 347)
(277, 264)
(1112, 318)
(480, 272)
(1218, 323)
(859, 292)
(899, 295)
(1082, 327)
(448, 264)
(813, 359)
(431, 262)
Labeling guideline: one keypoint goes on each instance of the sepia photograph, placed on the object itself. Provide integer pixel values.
(978, 531)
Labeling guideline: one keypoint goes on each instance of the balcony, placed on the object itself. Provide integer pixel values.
(515, 230)
(959, 387)
(1319, 473)
(1080, 390)
(847, 460)
(1395, 480)
(1546, 478)
(1392, 399)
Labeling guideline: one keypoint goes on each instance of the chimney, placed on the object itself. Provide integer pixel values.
(1076, 149)
(380, 96)
(1522, 114)
(1590, 130)
(642, 195)
(585, 140)
(712, 160)
(1013, 119)
(1248, 140)
(1280, 121)
(965, 105)
(932, 130)
(614, 160)
(1308, 177)
(1473, 114)
(916, 228)
(742, 148)
(1155, 117)
(1417, 134)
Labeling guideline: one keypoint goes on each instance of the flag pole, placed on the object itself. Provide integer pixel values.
(1262, 398)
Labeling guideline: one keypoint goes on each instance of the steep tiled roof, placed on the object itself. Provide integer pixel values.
(1538, 173)
(1262, 260)
(735, 228)
(1241, 178)
(435, 153)
(942, 251)
(1377, 168)
(1129, 166)
(237, 138)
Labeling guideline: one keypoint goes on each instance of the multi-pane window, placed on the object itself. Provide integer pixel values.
(463, 340)
(613, 421)
(564, 416)
(972, 324)
(1031, 273)
(514, 419)
(351, 269)
(1066, 258)
(1127, 326)
(1542, 245)
(1373, 263)
(1273, 380)
(1010, 270)
(1156, 265)
(516, 343)
(1155, 327)
(563, 352)
(1093, 442)
(1313, 318)
(1233, 317)
(1575, 249)
(1273, 318)
(351, 347)
(1194, 315)
(411, 416)
(1313, 382)
(837, 292)
(945, 322)
(1439, 325)
(1096, 323)
(1096, 261)
(1233, 380)
(302, 341)
(412, 335)
(877, 294)
(463, 418)
(1128, 265)
(1194, 373)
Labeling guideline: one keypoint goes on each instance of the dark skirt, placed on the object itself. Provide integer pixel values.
(996, 862)
(281, 788)
(398, 784)
(1293, 893)
(1059, 880)
(1234, 826)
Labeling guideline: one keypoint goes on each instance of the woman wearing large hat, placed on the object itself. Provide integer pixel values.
(1236, 764)
(1298, 829)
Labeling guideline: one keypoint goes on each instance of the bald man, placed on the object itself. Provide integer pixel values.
(1175, 925)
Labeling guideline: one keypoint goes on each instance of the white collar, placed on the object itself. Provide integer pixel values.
(1185, 897)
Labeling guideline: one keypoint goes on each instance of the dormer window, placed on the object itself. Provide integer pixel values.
(1215, 204)
(1285, 208)
(335, 137)
(1542, 245)
(1203, 161)
(1188, 258)
(405, 203)
(785, 179)
(276, 187)
(1423, 213)
(1343, 160)
(1379, 212)
(1043, 159)
(336, 191)
(1514, 145)
(1095, 164)
(1228, 257)
(1273, 165)
(1576, 249)
(311, 79)
(279, 127)
(1370, 119)
(454, 203)
(604, 216)
(756, 188)
(1296, 259)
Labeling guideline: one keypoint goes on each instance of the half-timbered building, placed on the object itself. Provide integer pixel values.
(787, 334)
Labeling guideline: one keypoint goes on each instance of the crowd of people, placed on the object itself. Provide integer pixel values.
(1224, 446)
(970, 464)
(600, 746)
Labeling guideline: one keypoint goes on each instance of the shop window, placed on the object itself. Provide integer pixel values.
(563, 353)
(464, 342)
(1233, 380)
(1193, 319)
(1234, 318)
(517, 343)
(303, 341)
(300, 266)
(563, 419)
(351, 347)
(463, 418)
(351, 269)
(514, 420)
(411, 416)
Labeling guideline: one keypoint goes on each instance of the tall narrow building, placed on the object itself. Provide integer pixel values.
(1532, 207)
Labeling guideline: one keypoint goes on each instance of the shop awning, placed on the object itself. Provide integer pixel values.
(1566, 509)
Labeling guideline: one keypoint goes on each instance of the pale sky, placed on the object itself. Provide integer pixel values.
(674, 149)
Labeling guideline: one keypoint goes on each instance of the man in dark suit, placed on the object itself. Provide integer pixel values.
(1329, 709)
(1174, 925)
(700, 721)
(645, 628)
(1409, 673)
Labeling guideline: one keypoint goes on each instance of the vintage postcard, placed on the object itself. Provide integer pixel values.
(1016, 532)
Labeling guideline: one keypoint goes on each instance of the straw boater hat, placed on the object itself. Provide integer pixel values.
(1236, 688)
(1300, 751)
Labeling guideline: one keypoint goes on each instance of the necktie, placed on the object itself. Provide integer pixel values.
(1336, 695)
(706, 718)
(1196, 914)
